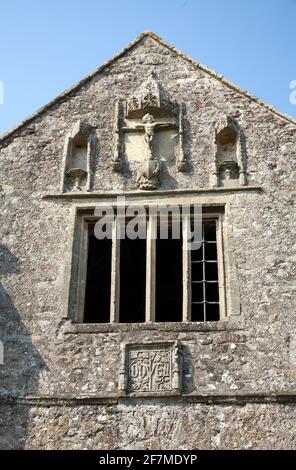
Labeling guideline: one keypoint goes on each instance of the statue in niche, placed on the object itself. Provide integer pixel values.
(149, 177)
(78, 156)
(228, 170)
(229, 166)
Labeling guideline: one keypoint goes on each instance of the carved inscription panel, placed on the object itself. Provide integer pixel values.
(149, 370)
(151, 367)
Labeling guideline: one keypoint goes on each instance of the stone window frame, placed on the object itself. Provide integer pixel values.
(76, 268)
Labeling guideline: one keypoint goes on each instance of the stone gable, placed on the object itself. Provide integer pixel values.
(64, 375)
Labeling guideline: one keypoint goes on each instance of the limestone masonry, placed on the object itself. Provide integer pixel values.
(159, 128)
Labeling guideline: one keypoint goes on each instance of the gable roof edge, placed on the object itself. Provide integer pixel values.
(59, 98)
(90, 76)
(223, 80)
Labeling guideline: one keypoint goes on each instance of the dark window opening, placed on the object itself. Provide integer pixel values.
(168, 279)
(98, 280)
(204, 277)
(169, 283)
(132, 281)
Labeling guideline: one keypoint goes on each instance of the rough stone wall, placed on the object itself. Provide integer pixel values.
(142, 426)
(256, 356)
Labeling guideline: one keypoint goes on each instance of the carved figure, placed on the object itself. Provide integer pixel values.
(149, 127)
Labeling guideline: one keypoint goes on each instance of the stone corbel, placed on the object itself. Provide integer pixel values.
(149, 177)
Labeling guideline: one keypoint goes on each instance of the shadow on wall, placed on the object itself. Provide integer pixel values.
(19, 374)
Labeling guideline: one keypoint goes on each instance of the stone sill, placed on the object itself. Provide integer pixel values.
(139, 193)
(231, 324)
(239, 399)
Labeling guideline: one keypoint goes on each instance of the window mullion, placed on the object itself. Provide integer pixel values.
(115, 272)
(151, 268)
(204, 273)
(186, 268)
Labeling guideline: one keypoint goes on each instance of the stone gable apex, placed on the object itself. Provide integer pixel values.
(138, 40)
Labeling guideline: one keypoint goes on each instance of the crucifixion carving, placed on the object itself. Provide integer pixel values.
(149, 177)
(148, 111)
(150, 126)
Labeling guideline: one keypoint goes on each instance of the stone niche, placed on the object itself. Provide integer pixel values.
(78, 155)
(148, 133)
(230, 161)
(151, 368)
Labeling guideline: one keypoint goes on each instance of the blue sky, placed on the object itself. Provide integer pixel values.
(46, 46)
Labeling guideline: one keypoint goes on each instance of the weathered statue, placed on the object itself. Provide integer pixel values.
(149, 127)
(149, 178)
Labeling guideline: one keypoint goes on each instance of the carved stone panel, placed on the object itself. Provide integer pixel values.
(165, 144)
(149, 128)
(153, 368)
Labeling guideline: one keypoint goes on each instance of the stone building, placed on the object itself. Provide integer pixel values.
(143, 343)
